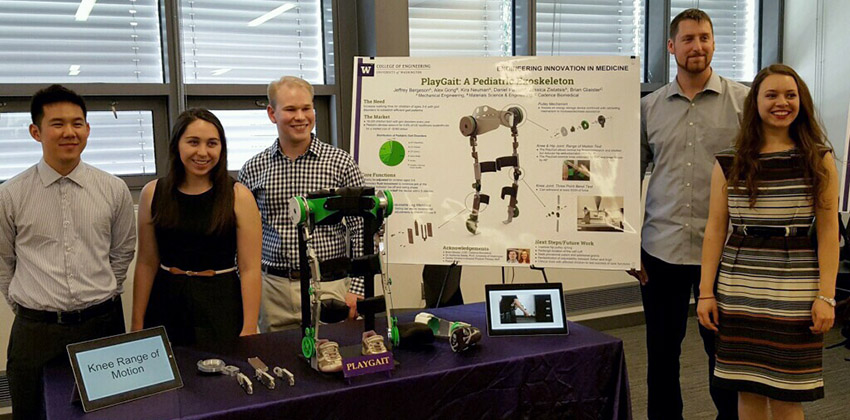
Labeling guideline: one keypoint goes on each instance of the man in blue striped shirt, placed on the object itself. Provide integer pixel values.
(67, 236)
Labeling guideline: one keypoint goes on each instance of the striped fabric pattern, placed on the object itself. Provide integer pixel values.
(766, 286)
(66, 242)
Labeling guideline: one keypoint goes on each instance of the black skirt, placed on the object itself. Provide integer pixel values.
(202, 311)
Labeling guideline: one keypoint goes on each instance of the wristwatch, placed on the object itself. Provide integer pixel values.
(830, 301)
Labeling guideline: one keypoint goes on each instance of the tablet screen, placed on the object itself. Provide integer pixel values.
(112, 370)
(525, 309)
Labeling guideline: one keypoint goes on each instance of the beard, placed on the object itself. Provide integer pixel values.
(693, 65)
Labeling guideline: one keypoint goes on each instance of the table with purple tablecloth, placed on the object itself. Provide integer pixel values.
(579, 376)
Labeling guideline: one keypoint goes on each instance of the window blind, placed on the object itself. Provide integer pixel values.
(248, 132)
(328, 23)
(735, 36)
(591, 27)
(228, 41)
(43, 42)
(461, 27)
(120, 146)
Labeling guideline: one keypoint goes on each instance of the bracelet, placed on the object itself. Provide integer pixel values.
(830, 301)
(706, 297)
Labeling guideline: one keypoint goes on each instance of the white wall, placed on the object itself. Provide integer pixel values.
(408, 278)
(815, 44)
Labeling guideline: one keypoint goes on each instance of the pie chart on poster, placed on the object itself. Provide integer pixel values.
(391, 153)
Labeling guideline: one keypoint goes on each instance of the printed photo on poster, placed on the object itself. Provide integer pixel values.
(600, 214)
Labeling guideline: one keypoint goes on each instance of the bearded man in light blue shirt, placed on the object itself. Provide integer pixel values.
(683, 125)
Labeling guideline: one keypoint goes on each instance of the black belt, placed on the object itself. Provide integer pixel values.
(283, 272)
(70, 317)
(770, 231)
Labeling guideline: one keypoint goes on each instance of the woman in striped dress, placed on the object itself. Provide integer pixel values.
(774, 296)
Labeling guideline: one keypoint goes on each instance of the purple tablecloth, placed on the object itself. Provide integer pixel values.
(580, 376)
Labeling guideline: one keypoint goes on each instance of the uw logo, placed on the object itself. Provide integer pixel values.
(367, 70)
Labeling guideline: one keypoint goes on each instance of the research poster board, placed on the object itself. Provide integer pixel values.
(504, 161)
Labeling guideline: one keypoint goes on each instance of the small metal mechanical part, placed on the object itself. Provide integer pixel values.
(261, 372)
(265, 379)
(245, 383)
(211, 366)
(230, 370)
(281, 373)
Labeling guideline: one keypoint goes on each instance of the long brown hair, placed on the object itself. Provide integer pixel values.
(805, 131)
(166, 211)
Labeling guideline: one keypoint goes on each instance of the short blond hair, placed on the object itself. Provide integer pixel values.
(284, 81)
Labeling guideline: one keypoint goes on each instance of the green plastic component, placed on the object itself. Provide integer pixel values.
(317, 208)
(303, 207)
(434, 324)
(516, 211)
(308, 343)
(320, 213)
(585, 125)
(310, 291)
(394, 335)
(454, 325)
(389, 196)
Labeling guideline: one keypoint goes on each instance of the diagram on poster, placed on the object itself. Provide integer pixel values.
(500, 161)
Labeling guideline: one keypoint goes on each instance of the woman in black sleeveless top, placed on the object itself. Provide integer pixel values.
(196, 226)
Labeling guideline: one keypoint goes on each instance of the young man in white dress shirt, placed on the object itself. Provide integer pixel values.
(67, 236)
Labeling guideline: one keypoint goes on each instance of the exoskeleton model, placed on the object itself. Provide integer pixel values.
(484, 120)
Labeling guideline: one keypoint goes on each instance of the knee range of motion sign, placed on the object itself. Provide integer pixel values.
(112, 370)
(504, 161)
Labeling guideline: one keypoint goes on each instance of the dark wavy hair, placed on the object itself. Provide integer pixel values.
(805, 131)
(166, 211)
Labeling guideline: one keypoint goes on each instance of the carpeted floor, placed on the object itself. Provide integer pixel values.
(697, 402)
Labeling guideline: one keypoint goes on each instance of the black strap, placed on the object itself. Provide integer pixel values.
(489, 166)
(371, 305)
(365, 266)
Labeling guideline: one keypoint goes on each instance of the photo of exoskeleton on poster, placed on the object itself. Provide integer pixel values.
(502, 161)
